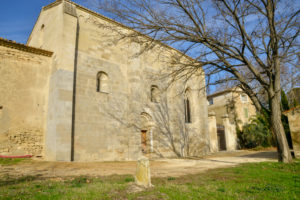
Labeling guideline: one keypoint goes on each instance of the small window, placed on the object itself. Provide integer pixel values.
(211, 101)
(155, 94)
(102, 82)
(246, 112)
(41, 37)
(244, 97)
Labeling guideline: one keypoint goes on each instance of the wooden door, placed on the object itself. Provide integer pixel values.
(144, 141)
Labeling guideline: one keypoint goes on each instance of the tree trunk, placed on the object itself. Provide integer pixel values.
(284, 154)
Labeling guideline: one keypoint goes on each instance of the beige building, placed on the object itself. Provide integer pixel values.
(231, 108)
(76, 92)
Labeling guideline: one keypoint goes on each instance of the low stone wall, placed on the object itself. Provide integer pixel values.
(294, 122)
(22, 142)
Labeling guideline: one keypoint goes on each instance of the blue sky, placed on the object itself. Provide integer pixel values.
(17, 17)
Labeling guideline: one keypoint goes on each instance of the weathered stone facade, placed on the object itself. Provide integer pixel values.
(99, 101)
(23, 100)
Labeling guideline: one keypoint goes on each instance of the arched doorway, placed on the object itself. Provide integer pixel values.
(146, 133)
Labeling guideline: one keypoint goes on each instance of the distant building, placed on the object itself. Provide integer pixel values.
(234, 103)
(228, 109)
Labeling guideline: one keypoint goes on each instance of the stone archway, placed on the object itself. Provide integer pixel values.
(146, 133)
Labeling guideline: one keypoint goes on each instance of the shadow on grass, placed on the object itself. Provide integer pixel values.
(76, 181)
(265, 154)
(12, 161)
(12, 181)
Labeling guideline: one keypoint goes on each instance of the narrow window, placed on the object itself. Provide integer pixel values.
(211, 101)
(102, 82)
(187, 106)
(155, 94)
(187, 110)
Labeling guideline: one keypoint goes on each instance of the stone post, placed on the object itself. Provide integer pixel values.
(230, 134)
(142, 176)
(212, 127)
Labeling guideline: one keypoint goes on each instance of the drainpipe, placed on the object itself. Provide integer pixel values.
(74, 93)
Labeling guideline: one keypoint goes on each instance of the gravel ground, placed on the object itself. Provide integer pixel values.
(159, 167)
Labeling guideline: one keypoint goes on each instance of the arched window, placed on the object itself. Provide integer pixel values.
(155, 94)
(187, 107)
(102, 82)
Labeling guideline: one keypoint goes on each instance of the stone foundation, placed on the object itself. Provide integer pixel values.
(22, 142)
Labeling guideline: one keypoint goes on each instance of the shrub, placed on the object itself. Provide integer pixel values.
(257, 133)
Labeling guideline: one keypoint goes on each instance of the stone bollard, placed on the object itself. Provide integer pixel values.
(142, 176)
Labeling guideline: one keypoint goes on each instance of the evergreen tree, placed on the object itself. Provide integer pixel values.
(284, 101)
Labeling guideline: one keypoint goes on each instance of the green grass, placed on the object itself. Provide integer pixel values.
(12, 161)
(248, 181)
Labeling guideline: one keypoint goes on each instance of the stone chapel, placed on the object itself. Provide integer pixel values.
(76, 93)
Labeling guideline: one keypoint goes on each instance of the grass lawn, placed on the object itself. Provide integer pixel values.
(248, 181)
(11, 161)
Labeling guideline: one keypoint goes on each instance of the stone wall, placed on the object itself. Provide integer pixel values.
(96, 125)
(23, 98)
(294, 123)
(22, 142)
(108, 124)
(56, 30)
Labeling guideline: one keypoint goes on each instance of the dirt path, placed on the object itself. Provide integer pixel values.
(159, 168)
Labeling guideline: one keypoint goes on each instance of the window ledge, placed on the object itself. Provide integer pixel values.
(101, 92)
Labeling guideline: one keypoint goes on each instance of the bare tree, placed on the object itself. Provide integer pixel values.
(245, 41)
(175, 137)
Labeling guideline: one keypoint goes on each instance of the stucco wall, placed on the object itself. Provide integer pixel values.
(24, 93)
